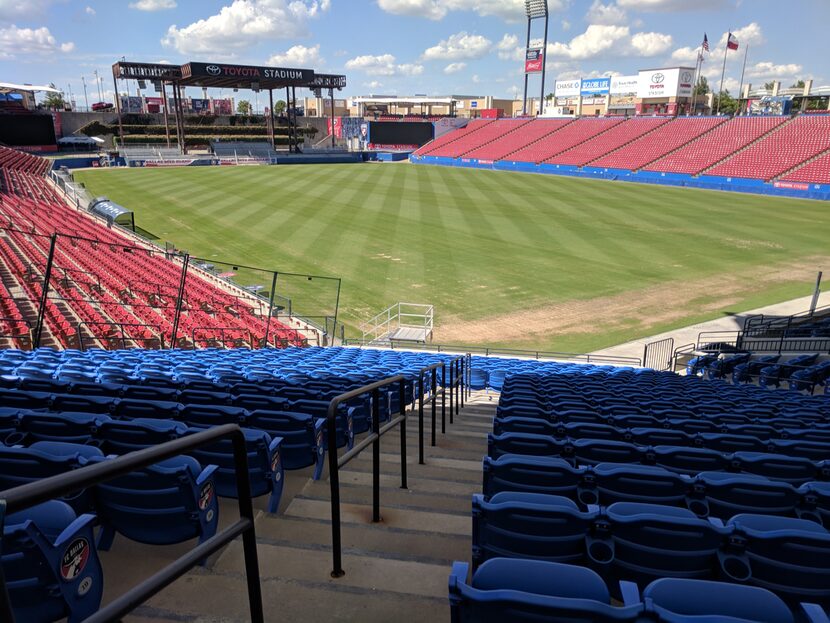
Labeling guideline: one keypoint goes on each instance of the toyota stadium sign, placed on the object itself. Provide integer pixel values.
(659, 83)
(285, 75)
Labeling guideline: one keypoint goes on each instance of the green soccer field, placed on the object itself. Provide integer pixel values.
(508, 259)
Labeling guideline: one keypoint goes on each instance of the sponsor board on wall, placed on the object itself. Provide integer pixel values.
(623, 101)
(567, 88)
(624, 85)
(791, 185)
(595, 86)
(655, 83)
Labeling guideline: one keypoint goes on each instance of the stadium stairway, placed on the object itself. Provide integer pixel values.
(396, 569)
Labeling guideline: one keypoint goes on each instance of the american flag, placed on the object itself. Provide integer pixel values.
(705, 42)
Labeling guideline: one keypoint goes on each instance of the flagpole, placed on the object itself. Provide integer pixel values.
(697, 72)
(743, 71)
(723, 73)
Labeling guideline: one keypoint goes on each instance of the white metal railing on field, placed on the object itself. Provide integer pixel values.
(401, 321)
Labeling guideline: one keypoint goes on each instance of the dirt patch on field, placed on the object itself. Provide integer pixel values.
(643, 308)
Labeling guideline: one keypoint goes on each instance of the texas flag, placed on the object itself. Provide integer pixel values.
(732, 42)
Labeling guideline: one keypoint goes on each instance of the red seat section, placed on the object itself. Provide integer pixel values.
(608, 141)
(788, 146)
(663, 140)
(815, 172)
(104, 281)
(432, 148)
(571, 135)
(716, 145)
(473, 145)
(20, 161)
(505, 145)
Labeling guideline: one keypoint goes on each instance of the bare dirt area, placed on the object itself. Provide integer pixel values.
(636, 309)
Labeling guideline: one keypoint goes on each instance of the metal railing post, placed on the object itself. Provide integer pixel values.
(434, 401)
(402, 403)
(47, 275)
(376, 456)
(463, 377)
(452, 390)
(179, 301)
(334, 483)
(457, 387)
(421, 418)
(443, 398)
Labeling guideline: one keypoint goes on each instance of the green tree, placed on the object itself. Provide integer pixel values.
(728, 104)
(702, 86)
(798, 85)
(769, 86)
(54, 101)
(279, 107)
(243, 107)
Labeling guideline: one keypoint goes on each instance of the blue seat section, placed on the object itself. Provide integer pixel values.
(51, 564)
(170, 502)
(19, 466)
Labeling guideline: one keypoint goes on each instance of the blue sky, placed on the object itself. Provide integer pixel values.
(410, 46)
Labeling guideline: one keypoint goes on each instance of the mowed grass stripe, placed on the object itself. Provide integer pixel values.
(476, 244)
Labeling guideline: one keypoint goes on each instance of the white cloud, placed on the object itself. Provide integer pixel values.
(748, 35)
(602, 40)
(454, 68)
(752, 34)
(24, 42)
(298, 56)
(457, 46)
(383, 65)
(89, 10)
(11, 10)
(509, 48)
(770, 71)
(153, 5)
(608, 14)
(242, 23)
(508, 10)
(651, 43)
(566, 25)
(374, 84)
(475, 78)
(672, 5)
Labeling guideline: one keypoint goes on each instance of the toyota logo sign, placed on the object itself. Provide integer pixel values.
(686, 76)
(657, 78)
(213, 70)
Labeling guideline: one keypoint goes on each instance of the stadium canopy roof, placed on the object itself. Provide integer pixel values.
(417, 99)
(224, 75)
(8, 87)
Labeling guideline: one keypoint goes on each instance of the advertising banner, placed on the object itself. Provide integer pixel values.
(567, 88)
(627, 102)
(200, 106)
(770, 106)
(595, 86)
(446, 124)
(534, 60)
(131, 104)
(675, 82)
(222, 107)
(336, 128)
(624, 85)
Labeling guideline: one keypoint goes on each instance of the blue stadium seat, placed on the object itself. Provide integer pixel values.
(790, 557)
(51, 565)
(676, 600)
(171, 502)
(722, 495)
(69, 427)
(792, 469)
(532, 474)
(529, 525)
(689, 461)
(211, 415)
(158, 409)
(302, 435)
(594, 451)
(532, 591)
(265, 469)
(616, 482)
(123, 436)
(84, 404)
(644, 542)
(521, 443)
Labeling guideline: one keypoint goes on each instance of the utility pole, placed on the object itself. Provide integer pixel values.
(86, 99)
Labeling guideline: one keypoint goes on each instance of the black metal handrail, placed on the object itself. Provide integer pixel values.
(373, 439)
(120, 325)
(432, 371)
(28, 495)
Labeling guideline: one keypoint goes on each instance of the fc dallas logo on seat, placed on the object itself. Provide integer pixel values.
(74, 559)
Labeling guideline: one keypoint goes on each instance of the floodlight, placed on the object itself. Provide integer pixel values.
(536, 8)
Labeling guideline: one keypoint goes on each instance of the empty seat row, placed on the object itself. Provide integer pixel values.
(707, 494)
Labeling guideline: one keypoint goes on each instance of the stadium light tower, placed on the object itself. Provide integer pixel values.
(535, 56)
